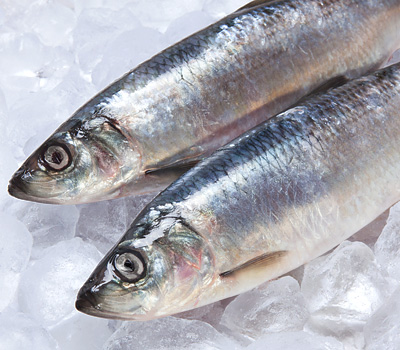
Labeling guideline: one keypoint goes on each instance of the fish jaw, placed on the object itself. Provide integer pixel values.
(18, 188)
(98, 159)
(178, 266)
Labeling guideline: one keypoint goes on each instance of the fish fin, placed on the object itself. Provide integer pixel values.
(259, 262)
(159, 178)
(330, 84)
(178, 167)
(255, 3)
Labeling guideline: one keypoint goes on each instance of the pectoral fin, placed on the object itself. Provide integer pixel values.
(256, 265)
(170, 173)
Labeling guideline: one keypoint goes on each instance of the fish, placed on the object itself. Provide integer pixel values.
(275, 198)
(147, 128)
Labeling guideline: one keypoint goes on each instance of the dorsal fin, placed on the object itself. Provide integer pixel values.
(260, 262)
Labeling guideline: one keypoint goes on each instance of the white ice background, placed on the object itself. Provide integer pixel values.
(55, 55)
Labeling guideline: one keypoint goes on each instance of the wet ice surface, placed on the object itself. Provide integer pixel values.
(343, 289)
(55, 55)
(102, 223)
(265, 309)
(19, 331)
(170, 334)
(50, 282)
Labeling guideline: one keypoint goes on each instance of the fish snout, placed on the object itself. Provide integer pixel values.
(85, 301)
(16, 186)
(25, 186)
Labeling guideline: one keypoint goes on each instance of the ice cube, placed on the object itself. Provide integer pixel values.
(15, 249)
(51, 21)
(81, 332)
(48, 224)
(211, 313)
(16, 71)
(45, 69)
(187, 25)
(117, 5)
(96, 30)
(103, 223)
(342, 290)
(8, 166)
(387, 247)
(158, 14)
(168, 333)
(382, 330)
(221, 8)
(295, 341)
(49, 285)
(370, 233)
(45, 112)
(2, 16)
(104, 5)
(3, 109)
(120, 58)
(80, 5)
(74, 90)
(276, 306)
(19, 332)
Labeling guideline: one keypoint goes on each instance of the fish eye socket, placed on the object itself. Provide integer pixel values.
(56, 157)
(130, 266)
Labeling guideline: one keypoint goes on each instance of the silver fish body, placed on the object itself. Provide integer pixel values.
(179, 106)
(270, 201)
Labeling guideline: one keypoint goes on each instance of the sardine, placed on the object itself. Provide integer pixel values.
(273, 199)
(144, 130)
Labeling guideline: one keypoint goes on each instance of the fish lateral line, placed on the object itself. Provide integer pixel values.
(261, 261)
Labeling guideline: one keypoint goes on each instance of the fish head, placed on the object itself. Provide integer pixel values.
(151, 276)
(81, 162)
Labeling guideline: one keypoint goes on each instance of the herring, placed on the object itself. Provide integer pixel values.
(144, 130)
(273, 199)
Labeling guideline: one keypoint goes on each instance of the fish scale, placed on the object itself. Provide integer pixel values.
(273, 199)
(182, 104)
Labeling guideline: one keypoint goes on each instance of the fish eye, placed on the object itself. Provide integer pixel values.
(130, 266)
(56, 157)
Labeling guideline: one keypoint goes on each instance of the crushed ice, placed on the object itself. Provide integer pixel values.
(54, 55)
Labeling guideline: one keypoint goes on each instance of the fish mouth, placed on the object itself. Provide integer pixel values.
(87, 304)
(16, 189)
(23, 183)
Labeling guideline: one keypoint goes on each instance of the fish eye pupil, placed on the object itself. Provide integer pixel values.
(56, 158)
(130, 266)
